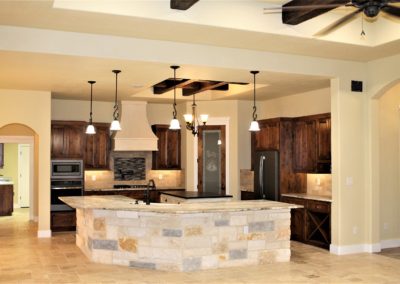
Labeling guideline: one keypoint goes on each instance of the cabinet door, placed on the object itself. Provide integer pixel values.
(304, 146)
(268, 136)
(318, 223)
(324, 139)
(57, 141)
(98, 148)
(168, 155)
(74, 137)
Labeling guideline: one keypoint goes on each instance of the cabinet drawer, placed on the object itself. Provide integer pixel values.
(293, 200)
(316, 206)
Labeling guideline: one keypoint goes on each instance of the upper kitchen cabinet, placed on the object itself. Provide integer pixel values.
(168, 156)
(268, 136)
(312, 144)
(67, 139)
(1, 155)
(97, 149)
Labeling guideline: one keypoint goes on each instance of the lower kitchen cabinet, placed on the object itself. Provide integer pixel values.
(63, 221)
(247, 195)
(6, 200)
(311, 224)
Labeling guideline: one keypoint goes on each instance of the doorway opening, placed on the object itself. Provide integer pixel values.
(211, 159)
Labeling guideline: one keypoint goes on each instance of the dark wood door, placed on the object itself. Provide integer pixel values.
(57, 141)
(304, 146)
(221, 155)
(98, 148)
(168, 155)
(74, 137)
(1, 155)
(324, 139)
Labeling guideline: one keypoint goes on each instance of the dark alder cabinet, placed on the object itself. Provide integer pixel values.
(67, 139)
(6, 200)
(98, 148)
(312, 144)
(311, 224)
(168, 156)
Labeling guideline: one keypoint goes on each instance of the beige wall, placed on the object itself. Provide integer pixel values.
(309, 103)
(31, 109)
(10, 168)
(389, 133)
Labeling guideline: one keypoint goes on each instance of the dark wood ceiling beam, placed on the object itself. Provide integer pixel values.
(182, 4)
(201, 86)
(295, 17)
(168, 85)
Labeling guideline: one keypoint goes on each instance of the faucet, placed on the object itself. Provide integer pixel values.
(151, 184)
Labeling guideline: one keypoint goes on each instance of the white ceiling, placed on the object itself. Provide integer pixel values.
(236, 24)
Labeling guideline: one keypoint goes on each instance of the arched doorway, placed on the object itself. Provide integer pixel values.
(19, 134)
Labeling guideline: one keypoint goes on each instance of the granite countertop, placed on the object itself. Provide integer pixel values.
(308, 196)
(118, 202)
(161, 188)
(6, 182)
(195, 194)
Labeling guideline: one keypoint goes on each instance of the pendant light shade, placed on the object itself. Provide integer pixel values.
(254, 124)
(174, 125)
(90, 128)
(115, 125)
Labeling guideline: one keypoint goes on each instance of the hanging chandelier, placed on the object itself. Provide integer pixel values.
(254, 124)
(174, 125)
(192, 121)
(115, 125)
(90, 128)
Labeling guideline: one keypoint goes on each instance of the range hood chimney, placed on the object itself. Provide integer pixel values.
(136, 134)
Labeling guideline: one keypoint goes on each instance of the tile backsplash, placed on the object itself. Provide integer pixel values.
(319, 184)
(130, 168)
(246, 180)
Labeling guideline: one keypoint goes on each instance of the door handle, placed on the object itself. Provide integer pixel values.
(260, 176)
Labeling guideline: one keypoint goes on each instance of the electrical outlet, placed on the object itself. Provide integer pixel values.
(386, 226)
(349, 181)
(355, 230)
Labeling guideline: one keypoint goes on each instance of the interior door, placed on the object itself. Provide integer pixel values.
(24, 174)
(211, 159)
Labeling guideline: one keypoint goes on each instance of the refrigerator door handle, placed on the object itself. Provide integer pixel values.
(261, 176)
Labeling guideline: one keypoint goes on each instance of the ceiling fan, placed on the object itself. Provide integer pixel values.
(298, 11)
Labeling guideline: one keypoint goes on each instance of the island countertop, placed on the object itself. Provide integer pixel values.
(118, 202)
(195, 194)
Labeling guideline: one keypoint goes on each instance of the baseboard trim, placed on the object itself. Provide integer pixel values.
(44, 234)
(16, 206)
(394, 243)
(353, 249)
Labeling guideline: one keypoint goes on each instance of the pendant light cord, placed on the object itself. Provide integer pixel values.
(91, 100)
(116, 109)
(254, 95)
(174, 113)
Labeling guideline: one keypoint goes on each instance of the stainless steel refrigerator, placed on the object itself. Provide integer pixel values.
(266, 175)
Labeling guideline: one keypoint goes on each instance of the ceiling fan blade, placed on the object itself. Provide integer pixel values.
(338, 23)
(391, 10)
(303, 7)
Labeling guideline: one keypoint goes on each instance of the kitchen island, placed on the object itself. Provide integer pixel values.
(181, 237)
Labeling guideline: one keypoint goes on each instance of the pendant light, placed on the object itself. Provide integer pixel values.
(192, 118)
(90, 128)
(115, 125)
(174, 125)
(254, 124)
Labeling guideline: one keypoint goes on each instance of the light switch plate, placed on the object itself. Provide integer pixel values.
(349, 181)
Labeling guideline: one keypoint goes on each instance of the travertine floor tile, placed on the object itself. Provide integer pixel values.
(26, 259)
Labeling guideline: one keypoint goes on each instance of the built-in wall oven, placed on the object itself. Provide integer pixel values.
(66, 180)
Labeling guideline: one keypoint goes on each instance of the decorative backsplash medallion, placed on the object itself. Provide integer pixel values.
(129, 168)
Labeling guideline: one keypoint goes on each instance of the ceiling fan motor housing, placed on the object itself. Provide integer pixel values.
(372, 9)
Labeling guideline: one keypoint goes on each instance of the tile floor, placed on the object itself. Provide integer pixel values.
(27, 259)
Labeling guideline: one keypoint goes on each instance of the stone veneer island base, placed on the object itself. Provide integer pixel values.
(184, 237)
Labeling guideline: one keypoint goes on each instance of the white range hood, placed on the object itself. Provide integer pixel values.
(136, 134)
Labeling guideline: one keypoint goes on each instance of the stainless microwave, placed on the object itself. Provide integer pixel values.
(66, 169)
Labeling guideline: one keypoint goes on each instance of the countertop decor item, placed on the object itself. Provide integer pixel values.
(254, 124)
(174, 125)
(115, 125)
(90, 128)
